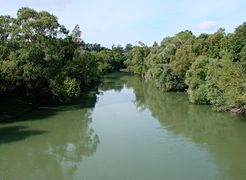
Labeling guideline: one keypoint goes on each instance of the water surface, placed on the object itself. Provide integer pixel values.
(129, 130)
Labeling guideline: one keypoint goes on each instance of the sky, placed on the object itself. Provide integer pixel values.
(120, 22)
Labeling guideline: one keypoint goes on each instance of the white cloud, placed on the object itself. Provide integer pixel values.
(207, 26)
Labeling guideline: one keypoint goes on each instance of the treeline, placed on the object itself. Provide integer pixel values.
(41, 59)
(210, 67)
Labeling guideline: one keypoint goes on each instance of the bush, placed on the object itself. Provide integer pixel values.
(66, 89)
(226, 86)
(196, 80)
(168, 80)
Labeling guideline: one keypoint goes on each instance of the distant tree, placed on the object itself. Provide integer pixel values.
(76, 34)
(128, 48)
(136, 60)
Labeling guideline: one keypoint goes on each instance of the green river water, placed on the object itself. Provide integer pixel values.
(129, 130)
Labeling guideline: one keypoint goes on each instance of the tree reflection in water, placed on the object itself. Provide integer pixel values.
(222, 133)
(52, 143)
(66, 139)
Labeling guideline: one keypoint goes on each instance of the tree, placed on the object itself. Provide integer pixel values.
(183, 59)
(226, 84)
(237, 43)
(200, 45)
(128, 48)
(76, 34)
(168, 80)
(136, 60)
(39, 57)
(215, 43)
(65, 89)
(196, 80)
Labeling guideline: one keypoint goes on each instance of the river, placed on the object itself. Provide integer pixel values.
(127, 130)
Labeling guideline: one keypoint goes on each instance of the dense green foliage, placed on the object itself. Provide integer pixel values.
(196, 79)
(210, 67)
(40, 58)
(136, 61)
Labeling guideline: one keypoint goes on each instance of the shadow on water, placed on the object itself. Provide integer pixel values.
(66, 138)
(16, 133)
(87, 100)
